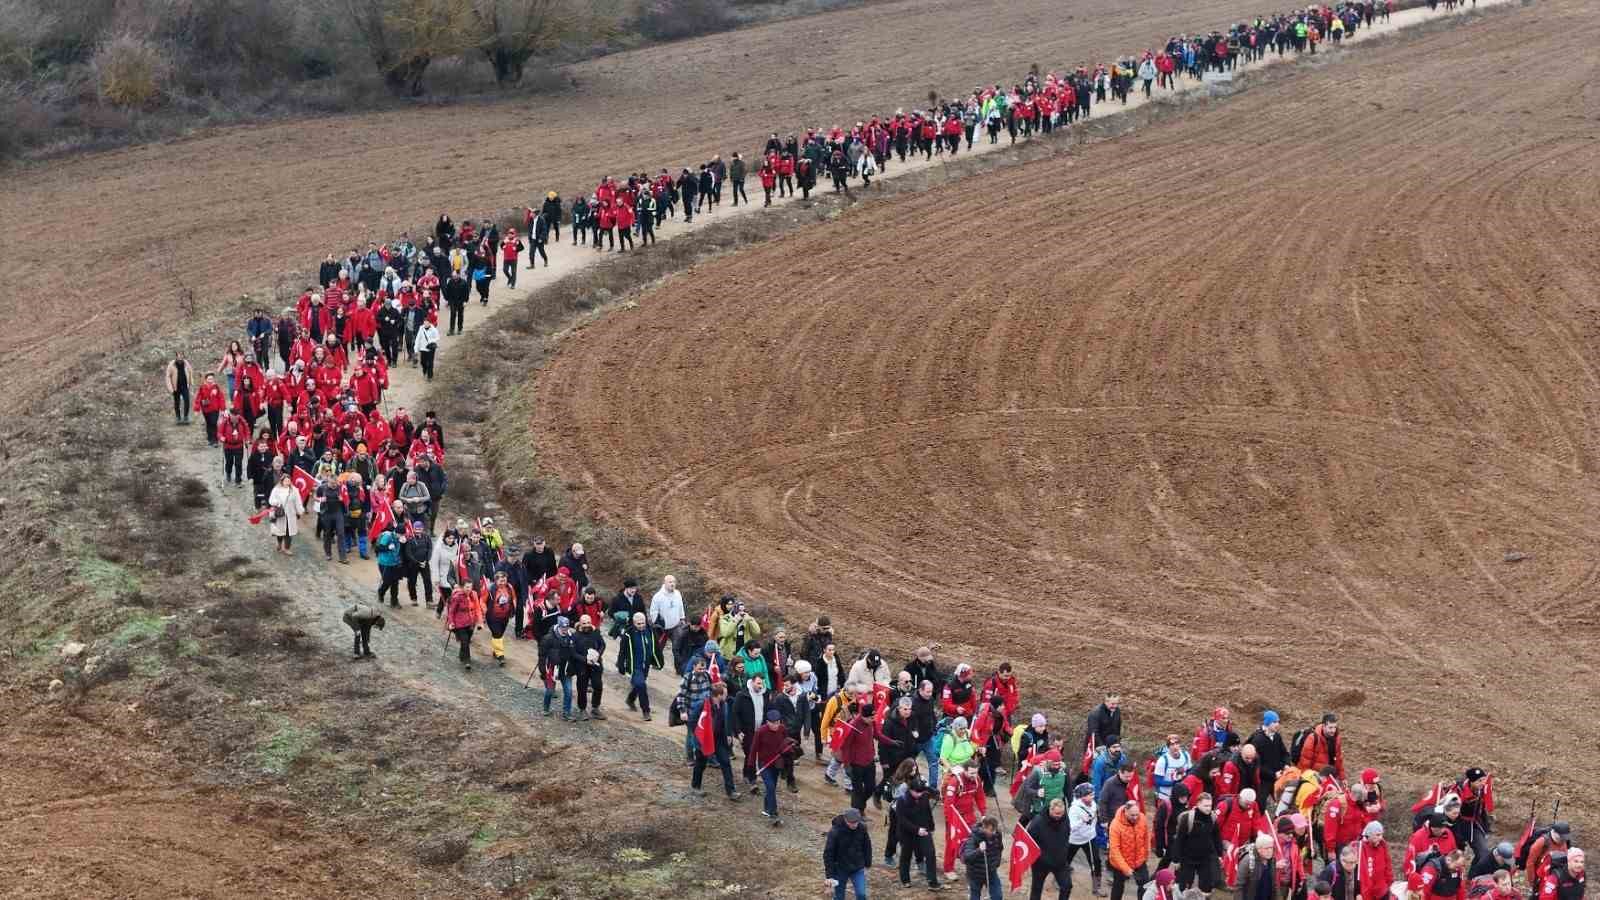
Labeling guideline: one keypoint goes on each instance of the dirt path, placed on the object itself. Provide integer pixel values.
(241, 206)
(413, 647)
(1307, 378)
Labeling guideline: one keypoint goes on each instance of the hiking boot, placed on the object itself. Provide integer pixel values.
(548, 713)
(583, 715)
(631, 704)
(830, 779)
(735, 797)
(794, 788)
(466, 667)
(1097, 888)
(358, 657)
(566, 716)
(370, 655)
(647, 717)
(754, 789)
(501, 660)
(596, 713)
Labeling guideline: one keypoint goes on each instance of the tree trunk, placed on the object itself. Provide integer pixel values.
(508, 65)
(405, 79)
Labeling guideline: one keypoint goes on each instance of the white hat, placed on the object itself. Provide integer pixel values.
(802, 668)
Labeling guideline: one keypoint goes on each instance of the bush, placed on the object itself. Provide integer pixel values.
(131, 71)
(666, 20)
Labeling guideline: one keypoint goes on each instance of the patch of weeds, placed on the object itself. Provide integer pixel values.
(107, 579)
(483, 837)
(143, 626)
(280, 750)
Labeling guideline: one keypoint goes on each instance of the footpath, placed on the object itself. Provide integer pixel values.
(412, 648)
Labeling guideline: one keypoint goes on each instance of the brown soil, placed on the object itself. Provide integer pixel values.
(243, 205)
(1253, 406)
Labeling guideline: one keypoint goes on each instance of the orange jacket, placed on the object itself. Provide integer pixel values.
(1130, 843)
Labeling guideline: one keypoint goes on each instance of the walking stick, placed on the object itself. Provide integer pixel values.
(529, 683)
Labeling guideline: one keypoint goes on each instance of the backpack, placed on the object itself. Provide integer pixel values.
(1527, 845)
(1299, 743)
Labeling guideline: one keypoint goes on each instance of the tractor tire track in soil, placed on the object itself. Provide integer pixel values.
(241, 206)
(1250, 406)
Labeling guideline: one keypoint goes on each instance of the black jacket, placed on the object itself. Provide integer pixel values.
(925, 671)
(1051, 835)
(901, 744)
(981, 862)
(576, 567)
(846, 850)
(911, 813)
(328, 273)
(551, 210)
(744, 712)
(582, 643)
(1113, 794)
(1102, 724)
(456, 291)
(1195, 839)
(556, 651)
(1271, 756)
(794, 714)
(537, 564)
(542, 620)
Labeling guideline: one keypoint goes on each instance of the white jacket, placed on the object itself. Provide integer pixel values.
(288, 499)
(443, 564)
(1082, 816)
(667, 605)
(427, 334)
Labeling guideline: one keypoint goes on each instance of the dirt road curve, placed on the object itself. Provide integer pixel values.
(1249, 407)
(246, 204)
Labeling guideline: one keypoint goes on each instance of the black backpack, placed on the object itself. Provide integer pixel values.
(1526, 846)
(1298, 744)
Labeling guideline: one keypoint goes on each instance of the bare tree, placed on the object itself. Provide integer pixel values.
(515, 31)
(184, 294)
(406, 36)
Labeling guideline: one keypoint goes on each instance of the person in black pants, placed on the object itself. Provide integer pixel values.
(456, 293)
(588, 648)
(913, 816)
(178, 383)
(536, 242)
(1050, 832)
(719, 753)
(362, 618)
(1196, 846)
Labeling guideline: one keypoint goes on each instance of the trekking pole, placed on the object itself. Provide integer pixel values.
(529, 683)
(1555, 810)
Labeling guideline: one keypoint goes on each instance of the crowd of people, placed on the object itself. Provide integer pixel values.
(297, 407)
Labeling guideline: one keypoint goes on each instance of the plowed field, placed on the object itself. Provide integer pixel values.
(1288, 402)
(243, 205)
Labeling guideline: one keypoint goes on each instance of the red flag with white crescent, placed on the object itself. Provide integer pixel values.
(957, 828)
(1024, 853)
(303, 482)
(382, 518)
(705, 731)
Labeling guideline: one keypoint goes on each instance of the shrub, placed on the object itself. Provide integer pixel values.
(666, 20)
(131, 71)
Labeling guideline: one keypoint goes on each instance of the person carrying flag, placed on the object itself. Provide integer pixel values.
(500, 604)
(1049, 834)
(555, 665)
(1475, 790)
(1375, 871)
(963, 803)
(710, 718)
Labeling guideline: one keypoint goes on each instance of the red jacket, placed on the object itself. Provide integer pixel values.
(857, 747)
(1007, 689)
(769, 177)
(365, 387)
(959, 707)
(964, 794)
(786, 166)
(463, 610)
(376, 433)
(250, 405)
(1345, 821)
(209, 399)
(624, 216)
(1425, 882)
(328, 377)
(1420, 841)
(767, 746)
(1238, 825)
(1375, 871)
(234, 433)
(607, 217)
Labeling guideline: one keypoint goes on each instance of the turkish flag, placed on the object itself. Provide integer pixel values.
(303, 482)
(956, 828)
(261, 515)
(1024, 852)
(880, 702)
(715, 672)
(1527, 832)
(705, 731)
(382, 518)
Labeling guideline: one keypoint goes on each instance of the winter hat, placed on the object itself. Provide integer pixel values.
(1373, 829)
(1165, 878)
(905, 702)
(1505, 850)
(1449, 801)
(1369, 776)
(773, 715)
(852, 816)
(1247, 796)
(1270, 717)
(1037, 721)
(1474, 773)
(1083, 790)
(710, 647)
(959, 724)
(802, 668)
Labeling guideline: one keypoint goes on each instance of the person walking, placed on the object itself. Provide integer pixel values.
(847, 855)
(913, 818)
(233, 434)
(538, 238)
(588, 646)
(389, 549)
(736, 176)
(287, 508)
(636, 656)
(556, 665)
(983, 852)
(1050, 832)
(209, 402)
(708, 728)
(769, 748)
(427, 346)
(178, 382)
(362, 618)
(461, 618)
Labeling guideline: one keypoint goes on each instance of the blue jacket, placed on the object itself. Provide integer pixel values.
(1103, 768)
(388, 548)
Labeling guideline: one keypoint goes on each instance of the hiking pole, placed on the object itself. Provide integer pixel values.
(529, 683)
